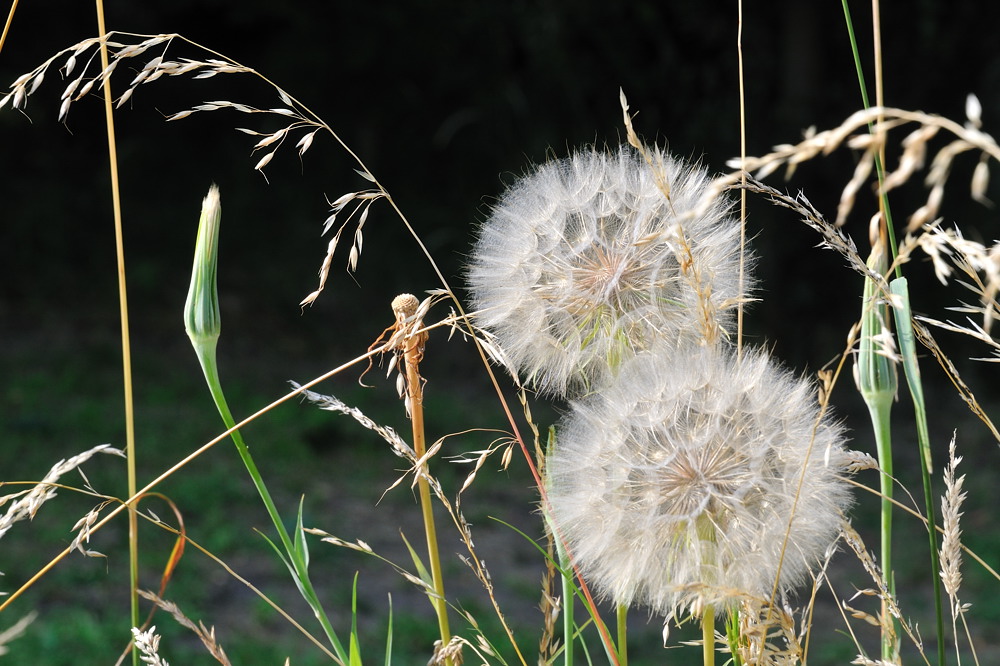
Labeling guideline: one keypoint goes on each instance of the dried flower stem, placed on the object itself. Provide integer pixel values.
(405, 308)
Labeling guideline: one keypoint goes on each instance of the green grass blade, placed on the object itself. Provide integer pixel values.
(388, 637)
(355, 651)
(571, 592)
(301, 545)
(908, 351)
(422, 571)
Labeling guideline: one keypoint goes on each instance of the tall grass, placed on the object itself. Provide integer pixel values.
(711, 568)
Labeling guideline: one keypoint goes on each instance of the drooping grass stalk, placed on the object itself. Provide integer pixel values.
(876, 375)
(202, 321)
(130, 452)
(405, 308)
(908, 352)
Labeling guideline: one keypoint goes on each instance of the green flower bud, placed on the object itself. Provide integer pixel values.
(201, 310)
(875, 370)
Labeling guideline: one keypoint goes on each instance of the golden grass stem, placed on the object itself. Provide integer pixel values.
(130, 449)
(6, 25)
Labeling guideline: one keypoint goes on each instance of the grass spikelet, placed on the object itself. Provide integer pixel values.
(28, 502)
(951, 544)
(15, 631)
(148, 643)
(204, 634)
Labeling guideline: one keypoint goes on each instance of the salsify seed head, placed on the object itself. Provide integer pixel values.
(675, 486)
(590, 259)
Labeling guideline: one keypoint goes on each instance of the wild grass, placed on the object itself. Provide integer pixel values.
(852, 601)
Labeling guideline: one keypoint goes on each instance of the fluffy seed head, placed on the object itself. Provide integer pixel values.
(675, 485)
(590, 259)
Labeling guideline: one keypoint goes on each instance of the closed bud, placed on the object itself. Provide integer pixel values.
(202, 320)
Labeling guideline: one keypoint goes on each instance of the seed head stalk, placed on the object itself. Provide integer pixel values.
(405, 307)
(622, 613)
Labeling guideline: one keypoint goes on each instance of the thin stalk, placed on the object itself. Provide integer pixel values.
(879, 157)
(707, 533)
(743, 177)
(412, 354)
(298, 566)
(708, 635)
(622, 618)
(569, 601)
(130, 452)
(6, 25)
(902, 311)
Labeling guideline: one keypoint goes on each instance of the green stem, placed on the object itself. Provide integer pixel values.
(708, 635)
(569, 600)
(206, 355)
(878, 157)
(879, 411)
(622, 618)
(733, 636)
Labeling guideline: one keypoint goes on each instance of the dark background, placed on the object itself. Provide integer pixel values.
(445, 102)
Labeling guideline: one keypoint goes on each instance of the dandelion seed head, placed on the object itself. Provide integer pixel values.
(586, 261)
(674, 486)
